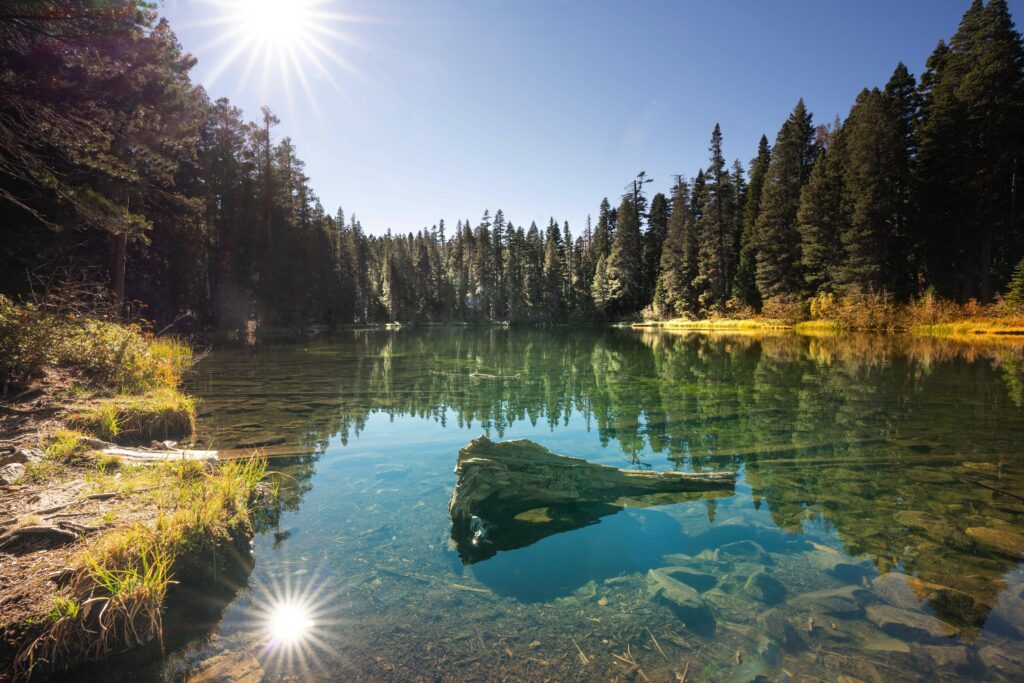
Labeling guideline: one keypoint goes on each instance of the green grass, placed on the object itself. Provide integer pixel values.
(64, 608)
(160, 414)
(66, 446)
(123, 576)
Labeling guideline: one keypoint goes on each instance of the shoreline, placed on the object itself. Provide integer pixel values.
(94, 540)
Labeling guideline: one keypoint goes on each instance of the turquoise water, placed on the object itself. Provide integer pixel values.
(875, 530)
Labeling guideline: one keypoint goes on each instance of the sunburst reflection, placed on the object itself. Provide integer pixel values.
(295, 624)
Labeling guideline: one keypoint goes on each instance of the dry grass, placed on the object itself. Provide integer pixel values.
(117, 591)
(719, 324)
(111, 355)
(159, 414)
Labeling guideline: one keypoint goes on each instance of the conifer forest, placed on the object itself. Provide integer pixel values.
(115, 165)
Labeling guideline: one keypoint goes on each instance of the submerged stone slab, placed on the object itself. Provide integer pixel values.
(683, 600)
(1002, 540)
(696, 579)
(910, 624)
(839, 602)
(764, 587)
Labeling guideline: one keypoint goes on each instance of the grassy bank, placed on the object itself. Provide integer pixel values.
(723, 324)
(830, 314)
(136, 529)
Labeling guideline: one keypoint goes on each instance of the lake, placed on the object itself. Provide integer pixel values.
(875, 530)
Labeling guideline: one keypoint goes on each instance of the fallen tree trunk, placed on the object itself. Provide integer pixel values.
(498, 482)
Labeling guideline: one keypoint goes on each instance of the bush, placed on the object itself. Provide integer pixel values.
(115, 355)
(788, 309)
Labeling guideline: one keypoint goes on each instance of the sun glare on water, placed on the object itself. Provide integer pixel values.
(289, 623)
(283, 42)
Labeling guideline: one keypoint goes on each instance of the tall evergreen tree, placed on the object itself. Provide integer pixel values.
(745, 283)
(716, 230)
(673, 294)
(872, 167)
(624, 269)
(970, 146)
(653, 239)
(820, 217)
(777, 238)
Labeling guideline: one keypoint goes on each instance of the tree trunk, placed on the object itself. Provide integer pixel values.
(120, 263)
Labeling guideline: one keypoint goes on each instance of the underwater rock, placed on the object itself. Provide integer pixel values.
(895, 588)
(681, 599)
(840, 602)
(768, 650)
(747, 550)
(904, 623)
(1002, 660)
(775, 625)
(764, 587)
(698, 580)
(230, 667)
(947, 657)
(1001, 540)
(523, 492)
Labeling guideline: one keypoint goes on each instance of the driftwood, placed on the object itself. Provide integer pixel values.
(146, 455)
(513, 493)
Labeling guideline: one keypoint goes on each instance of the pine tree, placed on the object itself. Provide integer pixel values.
(970, 143)
(624, 260)
(673, 292)
(777, 239)
(745, 282)
(604, 231)
(554, 273)
(871, 168)
(716, 230)
(905, 263)
(1015, 290)
(653, 239)
(820, 217)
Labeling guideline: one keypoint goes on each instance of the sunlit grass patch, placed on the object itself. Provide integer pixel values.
(116, 595)
(66, 445)
(157, 415)
(721, 324)
(972, 327)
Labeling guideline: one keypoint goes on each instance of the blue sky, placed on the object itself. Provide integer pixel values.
(543, 107)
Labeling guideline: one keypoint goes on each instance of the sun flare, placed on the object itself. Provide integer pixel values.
(274, 21)
(284, 41)
(289, 623)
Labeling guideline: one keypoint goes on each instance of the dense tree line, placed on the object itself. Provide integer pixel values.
(112, 161)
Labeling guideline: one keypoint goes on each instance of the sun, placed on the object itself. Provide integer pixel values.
(282, 42)
(274, 21)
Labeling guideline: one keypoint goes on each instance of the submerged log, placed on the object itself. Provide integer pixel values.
(513, 493)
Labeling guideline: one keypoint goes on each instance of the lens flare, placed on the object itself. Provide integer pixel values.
(287, 41)
(289, 623)
(295, 623)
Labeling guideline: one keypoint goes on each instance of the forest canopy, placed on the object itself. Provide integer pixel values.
(116, 168)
